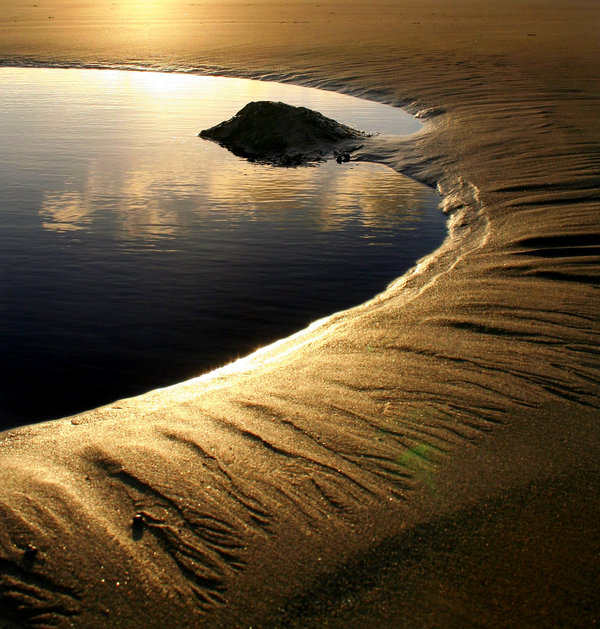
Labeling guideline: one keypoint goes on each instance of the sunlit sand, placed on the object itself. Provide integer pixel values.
(426, 459)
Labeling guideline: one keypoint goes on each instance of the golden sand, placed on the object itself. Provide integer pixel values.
(428, 459)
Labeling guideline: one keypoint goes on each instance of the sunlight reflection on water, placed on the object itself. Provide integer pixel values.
(136, 254)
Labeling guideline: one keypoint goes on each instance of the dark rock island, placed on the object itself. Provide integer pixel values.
(284, 135)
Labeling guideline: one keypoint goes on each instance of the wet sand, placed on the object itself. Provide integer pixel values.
(426, 459)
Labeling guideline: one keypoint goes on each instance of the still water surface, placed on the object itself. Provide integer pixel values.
(135, 254)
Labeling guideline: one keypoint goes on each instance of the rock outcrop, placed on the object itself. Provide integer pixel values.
(282, 134)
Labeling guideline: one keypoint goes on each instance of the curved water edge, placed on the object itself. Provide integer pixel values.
(367, 154)
(464, 237)
(302, 80)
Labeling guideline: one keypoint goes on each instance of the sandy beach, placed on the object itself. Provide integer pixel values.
(427, 459)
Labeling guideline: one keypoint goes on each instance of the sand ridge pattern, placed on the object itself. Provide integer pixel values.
(426, 459)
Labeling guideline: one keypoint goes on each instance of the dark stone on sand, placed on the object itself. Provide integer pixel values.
(341, 157)
(137, 526)
(29, 556)
(281, 134)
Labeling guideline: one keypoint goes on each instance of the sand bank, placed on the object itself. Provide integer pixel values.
(426, 459)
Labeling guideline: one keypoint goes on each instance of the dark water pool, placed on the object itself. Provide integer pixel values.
(135, 255)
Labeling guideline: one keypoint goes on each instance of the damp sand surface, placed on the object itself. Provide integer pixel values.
(428, 458)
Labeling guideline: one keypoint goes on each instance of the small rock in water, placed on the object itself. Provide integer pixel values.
(282, 134)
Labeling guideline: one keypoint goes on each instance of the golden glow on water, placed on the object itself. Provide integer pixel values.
(138, 164)
(139, 213)
(146, 84)
(368, 186)
(153, 89)
(64, 211)
(247, 192)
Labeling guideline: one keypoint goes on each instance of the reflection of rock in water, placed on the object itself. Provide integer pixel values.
(281, 134)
